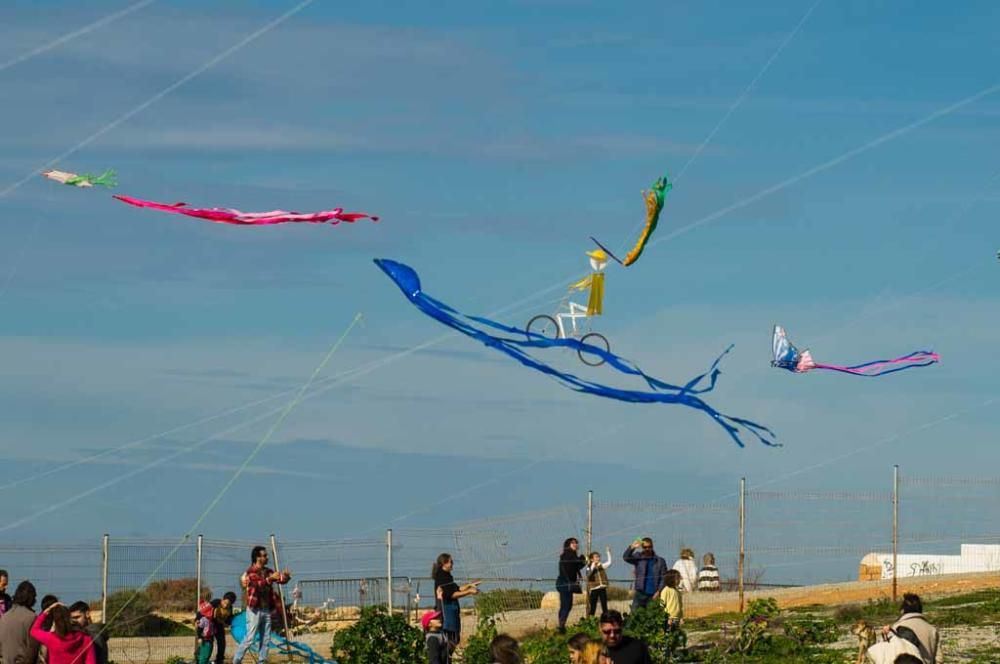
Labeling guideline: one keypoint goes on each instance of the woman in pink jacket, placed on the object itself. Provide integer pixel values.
(65, 644)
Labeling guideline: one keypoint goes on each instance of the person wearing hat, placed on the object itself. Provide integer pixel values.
(205, 625)
(438, 648)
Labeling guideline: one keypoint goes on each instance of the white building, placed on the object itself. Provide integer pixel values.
(971, 558)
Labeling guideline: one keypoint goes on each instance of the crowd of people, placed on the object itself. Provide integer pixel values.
(652, 578)
(910, 640)
(60, 634)
(57, 634)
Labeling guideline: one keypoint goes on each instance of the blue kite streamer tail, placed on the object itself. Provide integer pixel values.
(514, 346)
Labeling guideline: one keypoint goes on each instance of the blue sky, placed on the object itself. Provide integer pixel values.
(493, 139)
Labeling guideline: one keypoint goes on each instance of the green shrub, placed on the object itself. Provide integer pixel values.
(130, 613)
(811, 632)
(649, 624)
(754, 631)
(873, 612)
(984, 613)
(968, 598)
(477, 649)
(544, 646)
(548, 647)
(497, 601)
(175, 594)
(379, 637)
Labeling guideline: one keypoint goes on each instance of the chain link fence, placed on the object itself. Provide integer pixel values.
(931, 535)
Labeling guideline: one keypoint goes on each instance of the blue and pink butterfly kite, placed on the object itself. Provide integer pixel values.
(787, 356)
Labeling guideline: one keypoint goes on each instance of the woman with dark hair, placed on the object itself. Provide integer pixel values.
(914, 627)
(65, 644)
(568, 581)
(504, 649)
(446, 594)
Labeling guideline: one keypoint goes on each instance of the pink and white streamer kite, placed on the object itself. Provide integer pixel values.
(786, 356)
(238, 217)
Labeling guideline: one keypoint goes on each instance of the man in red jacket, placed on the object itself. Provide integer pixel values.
(261, 598)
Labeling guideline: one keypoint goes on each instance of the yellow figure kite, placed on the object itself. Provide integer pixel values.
(595, 282)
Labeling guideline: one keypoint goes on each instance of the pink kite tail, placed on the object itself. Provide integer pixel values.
(233, 216)
(920, 358)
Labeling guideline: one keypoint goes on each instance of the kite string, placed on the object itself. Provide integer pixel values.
(53, 507)
(278, 422)
(235, 476)
(746, 92)
(793, 180)
(958, 215)
(858, 450)
(129, 115)
(830, 163)
(372, 366)
(326, 385)
(736, 104)
(362, 370)
(90, 27)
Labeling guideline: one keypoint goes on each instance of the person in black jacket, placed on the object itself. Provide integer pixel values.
(79, 615)
(447, 593)
(622, 649)
(568, 582)
(222, 616)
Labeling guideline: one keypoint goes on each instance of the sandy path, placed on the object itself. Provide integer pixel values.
(703, 604)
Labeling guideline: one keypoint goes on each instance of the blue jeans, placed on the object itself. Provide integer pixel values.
(639, 599)
(565, 606)
(257, 621)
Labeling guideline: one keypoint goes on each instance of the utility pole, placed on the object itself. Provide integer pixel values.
(895, 529)
(743, 524)
(590, 521)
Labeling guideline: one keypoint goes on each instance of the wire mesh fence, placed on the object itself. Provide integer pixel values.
(931, 535)
(69, 571)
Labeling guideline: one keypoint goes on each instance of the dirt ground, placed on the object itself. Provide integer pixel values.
(702, 604)
(698, 605)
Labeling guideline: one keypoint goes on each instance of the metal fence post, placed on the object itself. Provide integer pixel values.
(895, 528)
(590, 522)
(197, 600)
(104, 578)
(281, 593)
(743, 522)
(388, 556)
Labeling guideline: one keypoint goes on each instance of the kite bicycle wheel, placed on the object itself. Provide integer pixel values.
(597, 340)
(542, 326)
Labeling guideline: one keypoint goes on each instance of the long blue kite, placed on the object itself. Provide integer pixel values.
(408, 281)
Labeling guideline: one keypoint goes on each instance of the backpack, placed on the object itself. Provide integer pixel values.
(902, 641)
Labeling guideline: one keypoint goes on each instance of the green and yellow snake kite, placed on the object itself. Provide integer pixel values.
(654, 205)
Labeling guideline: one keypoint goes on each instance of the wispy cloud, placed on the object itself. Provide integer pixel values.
(277, 138)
